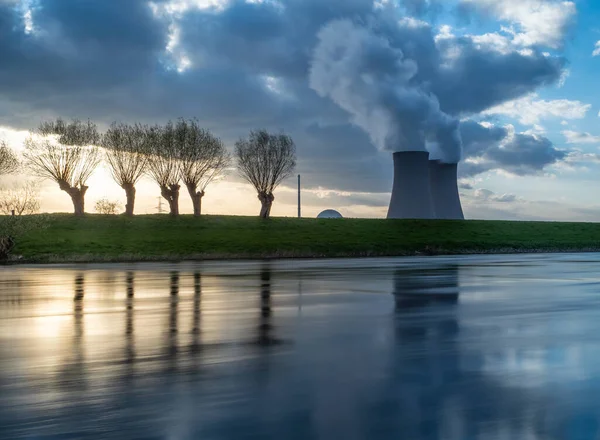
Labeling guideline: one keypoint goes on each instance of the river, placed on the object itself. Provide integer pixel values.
(470, 347)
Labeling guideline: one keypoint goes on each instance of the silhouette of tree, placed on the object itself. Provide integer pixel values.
(203, 159)
(265, 160)
(66, 153)
(126, 157)
(164, 164)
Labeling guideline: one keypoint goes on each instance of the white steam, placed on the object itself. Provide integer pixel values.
(374, 82)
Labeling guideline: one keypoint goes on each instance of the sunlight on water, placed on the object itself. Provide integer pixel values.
(454, 348)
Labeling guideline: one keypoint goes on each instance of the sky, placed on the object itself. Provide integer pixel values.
(505, 86)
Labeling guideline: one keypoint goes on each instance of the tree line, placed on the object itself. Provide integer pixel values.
(181, 152)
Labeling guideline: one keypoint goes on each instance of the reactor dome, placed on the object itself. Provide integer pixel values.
(330, 213)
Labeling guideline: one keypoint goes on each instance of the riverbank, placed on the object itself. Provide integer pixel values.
(95, 238)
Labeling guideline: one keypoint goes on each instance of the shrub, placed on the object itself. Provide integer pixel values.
(105, 206)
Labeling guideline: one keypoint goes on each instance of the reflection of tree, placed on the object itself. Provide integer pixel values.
(129, 312)
(173, 314)
(265, 328)
(73, 371)
(78, 307)
(12, 294)
(196, 311)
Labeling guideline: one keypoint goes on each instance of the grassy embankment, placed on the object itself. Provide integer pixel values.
(116, 238)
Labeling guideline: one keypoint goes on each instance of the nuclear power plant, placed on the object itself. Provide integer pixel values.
(423, 188)
(411, 193)
(443, 178)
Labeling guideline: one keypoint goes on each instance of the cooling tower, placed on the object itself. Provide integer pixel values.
(444, 190)
(411, 197)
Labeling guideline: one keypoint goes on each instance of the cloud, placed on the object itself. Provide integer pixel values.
(525, 154)
(237, 65)
(488, 148)
(463, 184)
(478, 137)
(536, 22)
(485, 195)
(580, 158)
(596, 49)
(531, 110)
(575, 137)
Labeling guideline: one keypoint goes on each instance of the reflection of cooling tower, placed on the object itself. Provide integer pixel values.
(444, 190)
(420, 287)
(411, 196)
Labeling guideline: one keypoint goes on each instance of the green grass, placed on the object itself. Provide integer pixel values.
(155, 237)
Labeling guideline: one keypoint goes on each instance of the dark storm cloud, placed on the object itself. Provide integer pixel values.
(265, 37)
(106, 60)
(481, 77)
(82, 58)
(477, 137)
(525, 154)
(494, 148)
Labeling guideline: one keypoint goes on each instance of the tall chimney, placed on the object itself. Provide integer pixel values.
(444, 190)
(411, 196)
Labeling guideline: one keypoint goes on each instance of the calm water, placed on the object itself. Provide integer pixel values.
(501, 347)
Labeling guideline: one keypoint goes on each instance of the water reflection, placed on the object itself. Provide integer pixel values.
(129, 314)
(72, 372)
(266, 328)
(457, 352)
(419, 287)
(196, 324)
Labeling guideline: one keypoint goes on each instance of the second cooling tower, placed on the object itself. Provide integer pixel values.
(411, 196)
(444, 190)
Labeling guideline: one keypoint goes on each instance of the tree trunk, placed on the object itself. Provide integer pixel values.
(130, 194)
(77, 197)
(171, 194)
(266, 199)
(196, 198)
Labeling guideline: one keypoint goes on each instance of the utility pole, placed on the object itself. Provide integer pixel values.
(299, 205)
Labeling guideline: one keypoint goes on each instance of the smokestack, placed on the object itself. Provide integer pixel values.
(444, 190)
(411, 196)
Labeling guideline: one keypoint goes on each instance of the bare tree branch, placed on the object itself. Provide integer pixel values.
(67, 154)
(265, 160)
(22, 200)
(126, 156)
(8, 159)
(164, 163)
(203, 159)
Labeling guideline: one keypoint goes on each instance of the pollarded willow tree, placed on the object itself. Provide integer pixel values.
(203, 159)
(8, 159)
(67, 153)
(265, 160)
(163, 162)
(126, 157)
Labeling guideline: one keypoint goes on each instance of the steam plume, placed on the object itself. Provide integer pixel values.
(376, 83)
